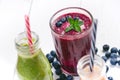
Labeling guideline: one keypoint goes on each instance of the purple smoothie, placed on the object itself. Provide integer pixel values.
(71, 46)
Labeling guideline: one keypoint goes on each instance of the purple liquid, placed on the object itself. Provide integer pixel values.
(71, 46)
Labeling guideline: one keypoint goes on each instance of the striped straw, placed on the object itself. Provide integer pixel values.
(27, 23)
(28, 33)
(92, 50)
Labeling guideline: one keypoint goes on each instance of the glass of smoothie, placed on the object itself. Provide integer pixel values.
(99, 68)
(71, 31)
(33, 66)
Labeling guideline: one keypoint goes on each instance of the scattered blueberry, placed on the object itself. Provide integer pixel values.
(96, 50)
(62, 77)
(63, 20)
(107, 68)
(69, 77)
(110, 78)
(114, 50)
(56, 64)
(58, 71)
(50, 58)
(113, 61)
(47, 55)
(53, 53)
(107, 54)
(58, 24)
(104, 58)
(106, 47)
(113, 55)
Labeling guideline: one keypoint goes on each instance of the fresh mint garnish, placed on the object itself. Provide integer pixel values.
(74, 25)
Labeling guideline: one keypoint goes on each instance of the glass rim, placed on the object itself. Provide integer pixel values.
(87, 58)
(67, 8)
(22, 33)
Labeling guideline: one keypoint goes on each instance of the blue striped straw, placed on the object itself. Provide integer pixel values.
(92, 50)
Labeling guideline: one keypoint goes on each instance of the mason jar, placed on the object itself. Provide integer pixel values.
(98, 71)
(31, 66)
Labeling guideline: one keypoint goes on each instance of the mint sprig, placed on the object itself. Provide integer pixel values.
(74, 25)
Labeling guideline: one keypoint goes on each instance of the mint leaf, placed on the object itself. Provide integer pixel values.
(74, 25)
(78, 29)
(68, 29)
(70, 20)
(80, 23)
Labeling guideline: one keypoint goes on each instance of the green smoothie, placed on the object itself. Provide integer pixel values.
(34, 67)
(31, 65)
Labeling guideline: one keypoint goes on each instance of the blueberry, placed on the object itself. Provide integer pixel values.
(53, 53)
(63, 77)
(67, 17)
(113, 55)
(63, 20)
(107, 68)
(76, 18)
(56, 64)
(96, 50)
(47, 55)
(104, 58)
(50, 58)
(107, 54)
(106, 47)
(113, 61)
(58, 24)
(69, 77)
(110, 78)
(58, 71)
(114, 50)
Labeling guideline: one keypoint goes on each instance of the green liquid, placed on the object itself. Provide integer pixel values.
(34, 67)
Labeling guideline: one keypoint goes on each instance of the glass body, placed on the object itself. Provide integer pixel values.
(70, 48)
(31, 66)
(99, 69)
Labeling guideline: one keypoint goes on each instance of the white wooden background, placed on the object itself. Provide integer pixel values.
(12, 22)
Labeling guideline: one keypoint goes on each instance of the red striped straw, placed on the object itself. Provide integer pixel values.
(29, 37)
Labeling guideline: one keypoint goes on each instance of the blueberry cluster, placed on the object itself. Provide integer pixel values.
(112, 54)
(63, 20)
(53, 60)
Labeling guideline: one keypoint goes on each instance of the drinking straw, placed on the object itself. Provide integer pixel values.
(92, 50)
(28, 30)
(31, 2)
(29, 37)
